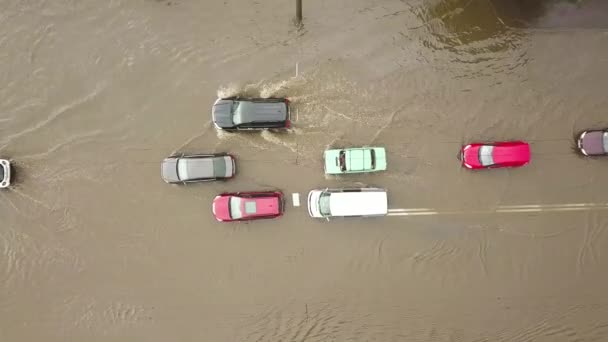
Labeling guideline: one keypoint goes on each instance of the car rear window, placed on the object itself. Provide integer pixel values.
(250, 207)
(605, 141)
(485, 155)
(219, 167)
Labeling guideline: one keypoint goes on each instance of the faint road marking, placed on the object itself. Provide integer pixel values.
(503, 209)
(295, 198)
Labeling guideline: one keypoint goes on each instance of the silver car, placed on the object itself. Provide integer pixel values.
(5, 173)
(181, 169)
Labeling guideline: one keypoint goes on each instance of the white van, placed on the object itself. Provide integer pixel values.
(329, 203)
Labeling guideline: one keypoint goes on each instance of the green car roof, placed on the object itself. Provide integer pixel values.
(355, 160)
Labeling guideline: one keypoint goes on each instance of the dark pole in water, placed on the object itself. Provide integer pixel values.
(299, 12)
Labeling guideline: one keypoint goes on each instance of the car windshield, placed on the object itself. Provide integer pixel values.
(485, 155)
(373, 154)
(182, 169)
(1, 173)
(235, 208)
(324, 204)
(605, 141)
(237, 114)
(219, 167)
(342, 160)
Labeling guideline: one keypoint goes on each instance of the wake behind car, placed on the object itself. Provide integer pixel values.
(355, 160)
(243, 206)
(237, 113)
(197, 168)
(593, 143)
(5, 173)
(495, 155)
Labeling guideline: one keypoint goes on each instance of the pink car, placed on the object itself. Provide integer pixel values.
(242, 206)
(495, 155)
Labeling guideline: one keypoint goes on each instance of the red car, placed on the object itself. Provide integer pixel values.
(495, 155)
(242, 206)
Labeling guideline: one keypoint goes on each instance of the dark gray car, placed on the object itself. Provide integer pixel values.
(251, 114)
(198, 168)
(593, 143)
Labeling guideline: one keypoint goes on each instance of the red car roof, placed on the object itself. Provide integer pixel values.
(511, 154)
(266, 206)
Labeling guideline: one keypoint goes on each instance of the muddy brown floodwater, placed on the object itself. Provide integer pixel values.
(95, 247)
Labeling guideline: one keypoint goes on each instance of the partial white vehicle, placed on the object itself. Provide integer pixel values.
(351, 202)
(593, 143)
(5, 173)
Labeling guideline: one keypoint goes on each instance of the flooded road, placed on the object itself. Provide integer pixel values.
(95, 247)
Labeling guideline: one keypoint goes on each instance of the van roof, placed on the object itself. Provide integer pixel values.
(360, 203)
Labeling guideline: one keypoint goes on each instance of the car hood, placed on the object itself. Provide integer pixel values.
(169, 170)
(470, 156)
(221, 208)
(313, 203)
(222, 113)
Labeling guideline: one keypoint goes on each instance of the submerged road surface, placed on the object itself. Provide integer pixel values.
(95, 247)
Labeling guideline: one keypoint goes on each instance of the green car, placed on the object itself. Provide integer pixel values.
(355, 160)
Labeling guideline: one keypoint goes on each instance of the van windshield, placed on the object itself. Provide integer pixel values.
(324, 204)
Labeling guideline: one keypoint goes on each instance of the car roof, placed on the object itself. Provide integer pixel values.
(359, 159)
(512, 153)
(261, 206)
(249, 111)
(194, 168)
(169, 169)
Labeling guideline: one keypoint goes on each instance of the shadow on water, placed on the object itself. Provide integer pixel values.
(472, 20)
(568, 14)
(487, 31)
(472, 33)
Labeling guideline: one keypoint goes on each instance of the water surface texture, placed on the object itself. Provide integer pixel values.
(95, 247)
